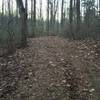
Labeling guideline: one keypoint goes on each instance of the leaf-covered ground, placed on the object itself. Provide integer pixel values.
(52, 68)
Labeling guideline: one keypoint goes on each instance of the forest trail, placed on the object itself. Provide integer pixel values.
(50, 68)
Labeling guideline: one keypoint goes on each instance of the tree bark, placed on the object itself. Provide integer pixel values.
(34, 19)
(48, 11)
(41, 10)
(99, 6)
(31, 9)
(23, 15)
(2, 7)
(51, 15)
(71, 18)
(9, 10)
(62, 13)
(78, 16)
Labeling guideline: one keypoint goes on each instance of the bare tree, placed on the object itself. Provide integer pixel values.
(34, 19)
(9, 5)
(2, 19)
(48, 11)
(56, 2)
(78, 16)
(23, 15)
(62, 13)
(2, 7)
(99, 6)
(40, 9)
(71, 18)
(51, 14)
(31, 9)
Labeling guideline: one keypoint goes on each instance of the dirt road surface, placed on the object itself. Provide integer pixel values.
(51, 68)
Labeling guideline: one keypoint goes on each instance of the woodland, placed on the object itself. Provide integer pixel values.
(49, 49)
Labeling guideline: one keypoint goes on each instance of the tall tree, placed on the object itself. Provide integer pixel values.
(2, 7)
(99, 6)
(48, 11)
(78, 15)
(31, 9)
(56, 3)
(9, 7)
(51, 14)
(34, 18)
(74, 10)
(62, 13)
(2, 19)
(23, 15)
(89, 14)
(71, 17)
(40, 9)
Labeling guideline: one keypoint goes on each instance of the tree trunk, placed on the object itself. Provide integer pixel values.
(71, 18)
(48, 10)
(34, 19)
(41, 10)
(9, 10)
(51, 15)
(23, 16)
(31, 9)
(2, 7)
(62, 13)
(78, 16)
(2, 19)
(99, 6)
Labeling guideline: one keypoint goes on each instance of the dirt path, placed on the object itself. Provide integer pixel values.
(50, 68)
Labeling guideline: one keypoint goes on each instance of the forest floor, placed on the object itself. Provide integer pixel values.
(52, 68)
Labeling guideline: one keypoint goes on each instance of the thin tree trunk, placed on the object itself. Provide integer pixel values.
(34, 19)
(71, 18)
(78, 16)
(99, 6)
(31, 9)
(9, 5)
(2, 18)
(62, 13)
(48, 9)
(41, 10)
(56, 4)
(2, 7)
(51, 15)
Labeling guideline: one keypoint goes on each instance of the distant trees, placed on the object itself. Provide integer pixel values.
(52, 9)
(72, 13)
(74, 18)
(89, 14)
